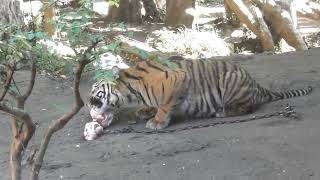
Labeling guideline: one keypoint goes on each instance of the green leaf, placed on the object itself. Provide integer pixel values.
(144, 54)
(130, 34)
(30, 36)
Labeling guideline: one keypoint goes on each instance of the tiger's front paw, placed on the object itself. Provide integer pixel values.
(153, 124)
(146, 113)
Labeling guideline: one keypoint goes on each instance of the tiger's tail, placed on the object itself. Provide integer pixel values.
(289, 94)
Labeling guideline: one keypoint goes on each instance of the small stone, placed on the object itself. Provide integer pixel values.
(132, 122)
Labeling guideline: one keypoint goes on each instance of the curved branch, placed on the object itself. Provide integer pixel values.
(59, 123)
(7, 84)
(32, 81)
(20, 140)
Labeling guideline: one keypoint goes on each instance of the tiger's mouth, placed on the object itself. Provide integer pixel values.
(104, 118)
(93, 101)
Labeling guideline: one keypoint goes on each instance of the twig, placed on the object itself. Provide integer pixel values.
(7, 84)
(62, 121)
(32, 80)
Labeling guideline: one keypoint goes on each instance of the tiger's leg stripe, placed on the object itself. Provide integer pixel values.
(148, 96)
(166, 72)
(154, 96)
(162, 92)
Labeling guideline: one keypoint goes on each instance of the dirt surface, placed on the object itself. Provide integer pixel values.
(269, 149)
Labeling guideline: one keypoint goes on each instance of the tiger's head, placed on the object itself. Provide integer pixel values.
(104, 101)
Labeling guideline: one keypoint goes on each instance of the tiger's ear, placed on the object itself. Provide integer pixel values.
(115, 72)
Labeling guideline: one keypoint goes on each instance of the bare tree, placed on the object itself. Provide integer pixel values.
(128, 11)
(176, 13)
(274, 20)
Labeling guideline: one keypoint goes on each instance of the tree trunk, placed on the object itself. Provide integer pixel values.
(281, 23)
(10, 12)
(250, 16)
(129, 11)
(176, 13)
(47, 17)
(309, 9)
(270, 20)
(152, 14)
(160, 4)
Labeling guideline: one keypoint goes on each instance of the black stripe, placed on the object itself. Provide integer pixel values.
(130, 88)
(153, 66)
(196, 108)
(243, 96)
(224, 71)
(141, 97)
(179, 64)
(154, 96)
(202, 85)
(174, 79)
(193, 77)
(146, 89)
(108, 95)
(162, 93)
(117, 101)
(129, 98)
(209, 88)
(175, 57)
(218, 79)
(287, 94)
(227, 82)
(230, 89)
(244, 103)
(235, 92)
(132, 76)
(141, 69)
(166, 74)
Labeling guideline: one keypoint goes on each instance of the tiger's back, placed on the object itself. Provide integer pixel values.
(219, 88)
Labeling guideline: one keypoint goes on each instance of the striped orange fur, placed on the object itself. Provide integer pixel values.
(197, 88)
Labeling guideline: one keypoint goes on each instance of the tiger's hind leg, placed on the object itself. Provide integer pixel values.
(146, 113)
(172, 96)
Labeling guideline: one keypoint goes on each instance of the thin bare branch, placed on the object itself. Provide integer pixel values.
(7, 84)
(88, 50)
(59, 123)
(32, 80)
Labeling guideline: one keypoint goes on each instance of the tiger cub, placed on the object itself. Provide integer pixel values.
(196, 88)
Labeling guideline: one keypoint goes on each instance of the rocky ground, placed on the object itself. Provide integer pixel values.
(274, 148)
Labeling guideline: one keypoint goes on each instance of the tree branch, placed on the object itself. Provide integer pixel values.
(61, 122)
(20, 140)
(32, 80)
(7, 84)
